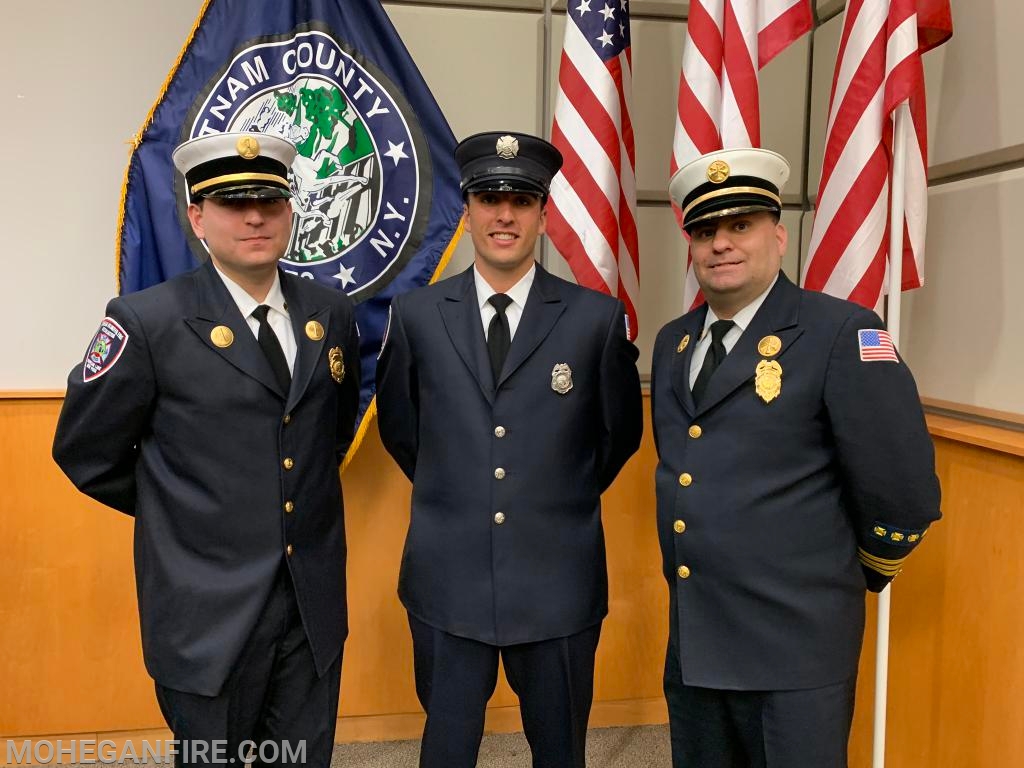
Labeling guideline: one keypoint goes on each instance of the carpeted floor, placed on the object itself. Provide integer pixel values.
(640, 747)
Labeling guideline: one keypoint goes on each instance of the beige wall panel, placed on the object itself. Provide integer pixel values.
(483, 67)
(826, 8)
(826, 46)
(962, 330)
(662, 274)
(72, 100)
(976, 102)
(657, 53)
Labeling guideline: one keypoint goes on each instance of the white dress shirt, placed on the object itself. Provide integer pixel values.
(518, 293)
(277, 316)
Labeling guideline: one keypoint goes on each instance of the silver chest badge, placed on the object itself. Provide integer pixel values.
(561, 378)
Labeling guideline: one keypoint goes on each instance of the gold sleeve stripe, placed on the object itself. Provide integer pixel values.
(864, 554)
(879, 564)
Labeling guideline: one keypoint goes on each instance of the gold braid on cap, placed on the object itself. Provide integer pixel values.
(238, 177)
(732, 191)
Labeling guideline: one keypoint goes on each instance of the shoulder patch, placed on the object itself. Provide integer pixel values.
(105, 349)
(875, 346)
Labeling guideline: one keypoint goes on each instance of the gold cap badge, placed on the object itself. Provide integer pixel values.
(768, 380)
(769, 346)
(718, 171)
(248, 147)
(222, 336)
(507, 147)
(683, 343)
(314, 330)
(336, 364)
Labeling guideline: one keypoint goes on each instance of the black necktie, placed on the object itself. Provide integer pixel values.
(499, 337)
(714, 357)
(272, 348)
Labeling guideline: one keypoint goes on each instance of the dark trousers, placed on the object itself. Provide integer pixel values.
(455, 677)
(272, 696)
(714, 728)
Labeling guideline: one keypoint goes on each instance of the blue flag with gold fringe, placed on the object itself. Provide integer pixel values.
(376, 202)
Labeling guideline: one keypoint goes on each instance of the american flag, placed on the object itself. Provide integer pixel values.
(727, 42)
(876, 345)
(878, 68)
(592, 209)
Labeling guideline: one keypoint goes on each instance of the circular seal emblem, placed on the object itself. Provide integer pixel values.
(718, 171)
(360, 182)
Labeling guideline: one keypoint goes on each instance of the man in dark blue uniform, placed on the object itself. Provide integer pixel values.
(795, 472)
(216, 408)
(510, 398)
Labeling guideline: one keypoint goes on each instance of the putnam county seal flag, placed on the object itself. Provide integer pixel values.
(376, 202)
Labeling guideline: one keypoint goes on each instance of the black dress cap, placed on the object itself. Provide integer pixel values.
(507, 162)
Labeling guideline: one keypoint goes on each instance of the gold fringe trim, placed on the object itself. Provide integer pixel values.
(136, 141)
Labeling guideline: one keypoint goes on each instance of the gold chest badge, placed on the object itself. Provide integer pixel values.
(768, 380)
(336, 363)
(683, 343)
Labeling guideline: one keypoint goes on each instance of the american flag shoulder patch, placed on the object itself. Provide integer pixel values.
(876, 345)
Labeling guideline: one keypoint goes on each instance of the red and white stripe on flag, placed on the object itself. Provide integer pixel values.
(727, 42)
(878, 68)
(592, 208)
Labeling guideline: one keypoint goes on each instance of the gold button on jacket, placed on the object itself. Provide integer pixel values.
(288, 463)
(695, 431)
(685, 479)
(683, 571)
(499, 518)
(499, 474)
(679, 526)
(499, 431)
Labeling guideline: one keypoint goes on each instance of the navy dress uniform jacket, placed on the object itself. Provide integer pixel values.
(200, 444)
(474, 449)
(782, 501)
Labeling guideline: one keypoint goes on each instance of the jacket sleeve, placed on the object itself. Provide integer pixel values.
(348, 396)
(884, 451)
(621, 401)
(106, 411)
(398, 394)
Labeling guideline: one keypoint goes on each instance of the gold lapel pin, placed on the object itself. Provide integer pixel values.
(314, 330)
(222, 336)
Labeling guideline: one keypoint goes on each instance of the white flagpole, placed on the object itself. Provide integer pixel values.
(892, 321)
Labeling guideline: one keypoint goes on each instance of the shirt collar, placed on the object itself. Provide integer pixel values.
(518, 292)
(744, 316)
(246, 303)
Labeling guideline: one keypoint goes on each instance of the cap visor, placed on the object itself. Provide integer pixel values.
(249, 192)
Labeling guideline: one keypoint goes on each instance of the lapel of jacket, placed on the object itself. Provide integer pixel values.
(308, 348)
(777, 316)
(679, 368)
(460, 314)
(544, 306)
(215, 307)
